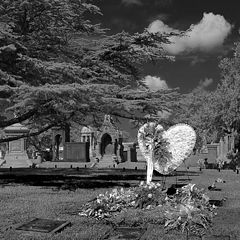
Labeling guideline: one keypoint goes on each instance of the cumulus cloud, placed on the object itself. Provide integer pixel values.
(155, 83)
(160, 26)
(131, 2)
(206, 35)
(206, 82)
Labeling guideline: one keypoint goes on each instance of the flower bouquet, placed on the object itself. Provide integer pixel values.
(187, 210)
(163, 150)
(145, 196)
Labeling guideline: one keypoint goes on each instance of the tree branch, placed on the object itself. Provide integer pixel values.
(132, 117)
(30, 134)
(18, 119)
(25, 116)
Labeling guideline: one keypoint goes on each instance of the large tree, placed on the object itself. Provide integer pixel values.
(216, 113)
(56, 67)
(194, 109)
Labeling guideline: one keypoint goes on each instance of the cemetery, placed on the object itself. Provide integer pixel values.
(21, 204)
(123, 203)
(102, 148)
(120, 120)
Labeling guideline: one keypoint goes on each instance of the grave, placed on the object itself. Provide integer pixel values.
(44, 225)
(76, 152)
(16, 155)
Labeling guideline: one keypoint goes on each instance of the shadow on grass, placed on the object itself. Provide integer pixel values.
(61, 183)
(71, 179)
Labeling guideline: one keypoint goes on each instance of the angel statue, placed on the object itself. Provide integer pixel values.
(163, 150)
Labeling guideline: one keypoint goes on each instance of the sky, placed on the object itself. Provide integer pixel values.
(211, 28)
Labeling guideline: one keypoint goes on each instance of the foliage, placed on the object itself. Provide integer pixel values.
(40, 142)
(143, 197)
(227, 93)
(151, 136)
(187, 210)
(196, 109)
(216, 113)
(161, 151)
(57, 67)
(235, 159)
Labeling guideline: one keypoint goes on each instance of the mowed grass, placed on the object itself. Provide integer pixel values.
(227, 221)
(20, 204)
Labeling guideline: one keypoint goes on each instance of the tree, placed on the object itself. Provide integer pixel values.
(57, 68)
(217, 113)
(195, 110)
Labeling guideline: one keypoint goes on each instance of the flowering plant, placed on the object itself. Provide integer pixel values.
(105, 205)
(187, 210)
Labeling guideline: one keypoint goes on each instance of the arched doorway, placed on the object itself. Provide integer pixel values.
(107, 147)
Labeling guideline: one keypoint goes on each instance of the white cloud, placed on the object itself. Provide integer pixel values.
(155, 83)
(206, 35)
(160, 26)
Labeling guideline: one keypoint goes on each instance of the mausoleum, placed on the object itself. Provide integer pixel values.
(16, 155)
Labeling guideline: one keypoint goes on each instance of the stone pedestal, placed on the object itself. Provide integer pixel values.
(16, 155)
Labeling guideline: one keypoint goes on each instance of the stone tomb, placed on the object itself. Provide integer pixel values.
(76, 152)
(16, 155)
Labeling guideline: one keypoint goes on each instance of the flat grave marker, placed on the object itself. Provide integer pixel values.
(44, 225)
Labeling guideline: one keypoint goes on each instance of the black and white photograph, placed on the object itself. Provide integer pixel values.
(119, 120)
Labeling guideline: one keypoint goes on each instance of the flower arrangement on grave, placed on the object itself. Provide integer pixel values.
(145, 196)
(163, 150)
(187, 210)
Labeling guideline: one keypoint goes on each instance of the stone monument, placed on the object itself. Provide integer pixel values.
(60, 136)
(16, 155)
(108, 140)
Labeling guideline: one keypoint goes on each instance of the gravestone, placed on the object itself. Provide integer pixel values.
(44, 225)
(16, 155)
(212, 153)
(76, 152)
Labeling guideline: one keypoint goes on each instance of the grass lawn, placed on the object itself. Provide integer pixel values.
(20, 204)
